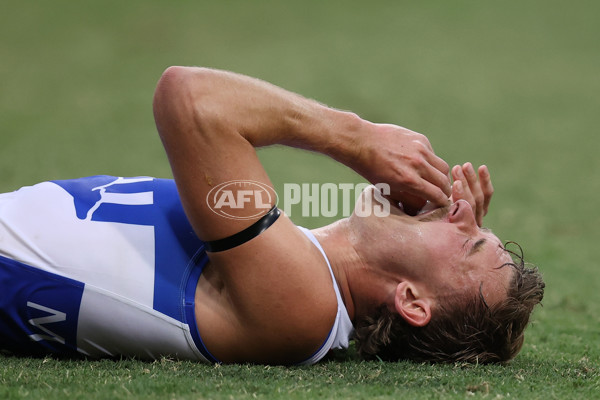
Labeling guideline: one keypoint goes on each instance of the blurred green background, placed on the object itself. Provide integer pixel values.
(513, 84)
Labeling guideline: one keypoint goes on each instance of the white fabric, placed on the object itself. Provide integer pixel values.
(342, 329)
(106, 323)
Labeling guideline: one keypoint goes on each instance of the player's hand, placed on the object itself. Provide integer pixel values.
(405, 160)
(476, 188)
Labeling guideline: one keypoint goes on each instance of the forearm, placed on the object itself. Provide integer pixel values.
(225, 103)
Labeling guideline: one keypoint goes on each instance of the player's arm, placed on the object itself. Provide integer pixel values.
(210, 122)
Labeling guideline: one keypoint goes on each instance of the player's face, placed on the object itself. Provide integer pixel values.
(461, 256)
(445, 250)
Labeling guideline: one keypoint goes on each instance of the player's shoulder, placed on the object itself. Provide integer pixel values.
(278, 299)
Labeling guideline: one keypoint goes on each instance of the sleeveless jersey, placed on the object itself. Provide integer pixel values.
(106, 266)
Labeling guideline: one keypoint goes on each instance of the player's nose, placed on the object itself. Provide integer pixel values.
(461, 214)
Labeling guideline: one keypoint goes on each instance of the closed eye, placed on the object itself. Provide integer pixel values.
(476, 247)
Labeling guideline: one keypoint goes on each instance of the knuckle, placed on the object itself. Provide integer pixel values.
(417, 163)
(410, 180)
(422, 138)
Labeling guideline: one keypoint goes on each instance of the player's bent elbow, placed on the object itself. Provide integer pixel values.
(194, 82)
(172, 89)
(178, 99)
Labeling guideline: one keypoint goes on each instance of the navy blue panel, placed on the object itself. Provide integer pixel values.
(38, 310)
(176, 244)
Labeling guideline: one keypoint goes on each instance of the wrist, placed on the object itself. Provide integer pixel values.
(345, 134)
(335, 133)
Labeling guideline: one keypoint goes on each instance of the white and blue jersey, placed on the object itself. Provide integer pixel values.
(106, 266)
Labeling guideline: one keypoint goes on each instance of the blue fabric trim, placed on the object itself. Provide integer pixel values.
(319, 349)
(198, 263)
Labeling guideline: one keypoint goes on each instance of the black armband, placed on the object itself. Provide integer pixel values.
(247, 234)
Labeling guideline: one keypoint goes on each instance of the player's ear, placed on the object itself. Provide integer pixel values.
(414, 308)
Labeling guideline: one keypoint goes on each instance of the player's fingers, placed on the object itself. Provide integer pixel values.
(457, 175)
(441, 181)
(486, 187)
(438, 163)
(476, 191)
(463, 191)
(457, 190)
(437, 172)
(423, 189)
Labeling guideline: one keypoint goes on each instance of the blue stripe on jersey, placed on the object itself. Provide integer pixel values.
(38, 310)
(144, 201)
(176, 245)
(200, 261)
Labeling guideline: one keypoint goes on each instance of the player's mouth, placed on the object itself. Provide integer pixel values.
(428, 213)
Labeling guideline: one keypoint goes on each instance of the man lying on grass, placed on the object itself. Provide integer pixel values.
(144, 267)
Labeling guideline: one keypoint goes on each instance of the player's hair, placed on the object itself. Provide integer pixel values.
(461, 329)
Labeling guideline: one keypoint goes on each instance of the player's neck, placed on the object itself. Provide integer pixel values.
(342, 258)
(363, 286)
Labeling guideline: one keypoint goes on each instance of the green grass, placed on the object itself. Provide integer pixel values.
(512, 84)
(527, 377)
